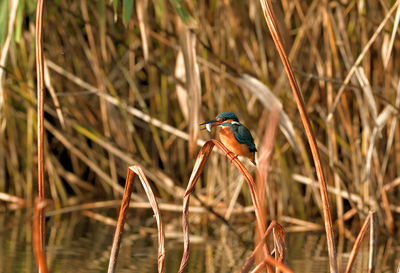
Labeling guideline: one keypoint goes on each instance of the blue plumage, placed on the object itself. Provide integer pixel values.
(227, 115)
(243, 136)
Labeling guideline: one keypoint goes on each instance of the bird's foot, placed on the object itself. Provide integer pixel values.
(233, 155)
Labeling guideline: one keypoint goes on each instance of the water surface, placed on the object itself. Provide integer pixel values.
(78, 244)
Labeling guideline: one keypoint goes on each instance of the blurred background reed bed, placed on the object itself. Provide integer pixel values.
(130, 82)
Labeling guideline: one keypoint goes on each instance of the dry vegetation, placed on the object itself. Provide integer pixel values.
(129, 85)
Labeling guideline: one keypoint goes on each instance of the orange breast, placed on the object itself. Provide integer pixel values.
(228, 139)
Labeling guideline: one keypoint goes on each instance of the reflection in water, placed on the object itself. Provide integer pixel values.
(75, 243)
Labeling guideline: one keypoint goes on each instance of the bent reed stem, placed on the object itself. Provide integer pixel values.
(132, 171)
(201, 160)
(272, 26)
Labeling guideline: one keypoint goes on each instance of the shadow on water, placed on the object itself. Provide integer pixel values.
(76, 243)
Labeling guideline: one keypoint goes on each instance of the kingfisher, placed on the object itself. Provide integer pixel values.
(234, 135)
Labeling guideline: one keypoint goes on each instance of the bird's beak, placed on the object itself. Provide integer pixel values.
(211, 123)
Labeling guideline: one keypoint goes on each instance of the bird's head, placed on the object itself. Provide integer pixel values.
(224, 119)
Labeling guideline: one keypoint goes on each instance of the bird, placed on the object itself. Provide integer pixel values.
(234, 135)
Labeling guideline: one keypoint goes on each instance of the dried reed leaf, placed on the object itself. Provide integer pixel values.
(366, 87)
(141, 10)
(373, 242)
(47, 82)
(358, 241)
(101, 218)
(390, 46)
(181, 92)
(197, 170)
(280, 243)
(137, 205)
(271, 22)
(132, 171)
(103, 30)
(13, 199)
(269, 100)
(153, 202)
(300, 224)
(380, 123)
(188, 45)
(391, 133)
(385, 46)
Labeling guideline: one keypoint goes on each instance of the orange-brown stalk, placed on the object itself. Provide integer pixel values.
(40, 256)
(197, 170)
(40, 103)
(132, 171)
(272, 25)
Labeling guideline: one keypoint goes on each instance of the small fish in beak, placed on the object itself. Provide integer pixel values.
(211, 123)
